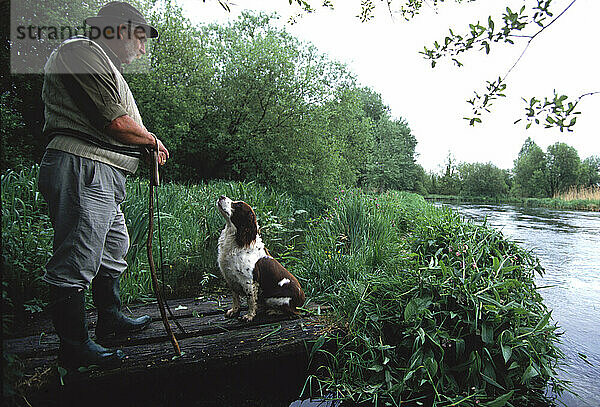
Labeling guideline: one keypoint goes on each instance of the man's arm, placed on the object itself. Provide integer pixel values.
(127, 131)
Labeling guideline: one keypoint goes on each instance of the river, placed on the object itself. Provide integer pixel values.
(568, 246)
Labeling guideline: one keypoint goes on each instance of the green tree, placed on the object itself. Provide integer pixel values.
(480, 179)
(563, 168)
(393, 164)
(422, 181)
(351, 133)
(449, 183)
(529, 172)
(589, 172)
(373, 106)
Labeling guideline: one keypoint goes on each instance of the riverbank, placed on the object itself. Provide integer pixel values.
(566, 242)
(592, 205)
(435, 308)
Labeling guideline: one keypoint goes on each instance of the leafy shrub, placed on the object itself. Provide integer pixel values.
(440, 311)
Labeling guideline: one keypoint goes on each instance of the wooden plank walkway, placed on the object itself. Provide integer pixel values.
(216, 351)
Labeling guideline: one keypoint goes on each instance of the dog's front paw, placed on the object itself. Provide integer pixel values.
(233, 312)
(248, 317)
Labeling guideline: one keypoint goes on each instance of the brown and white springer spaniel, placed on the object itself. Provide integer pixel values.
(248, 268)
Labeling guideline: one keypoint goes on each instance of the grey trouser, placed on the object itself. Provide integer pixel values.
(90, 235)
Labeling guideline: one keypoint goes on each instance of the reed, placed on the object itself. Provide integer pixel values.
(190, 226)
(189, 229)
(26, 243)
(579, 193)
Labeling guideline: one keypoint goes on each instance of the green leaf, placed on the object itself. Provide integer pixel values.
(543, 322)
(500, 401)
(530, 373)
(506, 353)
(421, 335)
(431, 365)
(410, 310)
(316, 346)
(62, 372)
(487, 333)
(492, 381)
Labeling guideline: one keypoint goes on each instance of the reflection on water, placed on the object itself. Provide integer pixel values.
(568, 246)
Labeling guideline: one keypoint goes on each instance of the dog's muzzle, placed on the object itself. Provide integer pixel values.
(224, 205)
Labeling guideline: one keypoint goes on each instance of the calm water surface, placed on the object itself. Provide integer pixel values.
(568, 246)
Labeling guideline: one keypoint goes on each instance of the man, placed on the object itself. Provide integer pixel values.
(96, 138)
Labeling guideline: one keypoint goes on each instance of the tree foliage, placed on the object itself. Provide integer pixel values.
(449, 182)
(244, 101)
(512, 28)
(478, 179)
(589, 173)
(563, 168)
(529, 171)
(540, 175)
(535, 174)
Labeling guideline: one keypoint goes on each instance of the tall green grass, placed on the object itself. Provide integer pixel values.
(26, 243)
(190, 226)
(189, 229)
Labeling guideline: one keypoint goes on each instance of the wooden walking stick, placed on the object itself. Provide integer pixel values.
(155, 181)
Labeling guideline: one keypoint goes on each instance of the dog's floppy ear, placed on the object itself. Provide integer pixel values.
(245, 223)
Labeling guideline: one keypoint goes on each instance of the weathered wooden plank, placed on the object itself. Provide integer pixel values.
(215, 349)
(40, 323)
(197, 319)
(285, 335)
(47, 344)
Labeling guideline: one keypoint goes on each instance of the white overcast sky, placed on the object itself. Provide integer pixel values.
(384, 55)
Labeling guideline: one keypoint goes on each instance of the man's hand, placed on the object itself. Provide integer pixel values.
(163, 153)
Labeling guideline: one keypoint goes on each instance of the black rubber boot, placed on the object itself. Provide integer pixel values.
(67, 308)
(111, 321)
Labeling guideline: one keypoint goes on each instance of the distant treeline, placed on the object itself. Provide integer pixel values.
(535, 174)
(242, 101)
